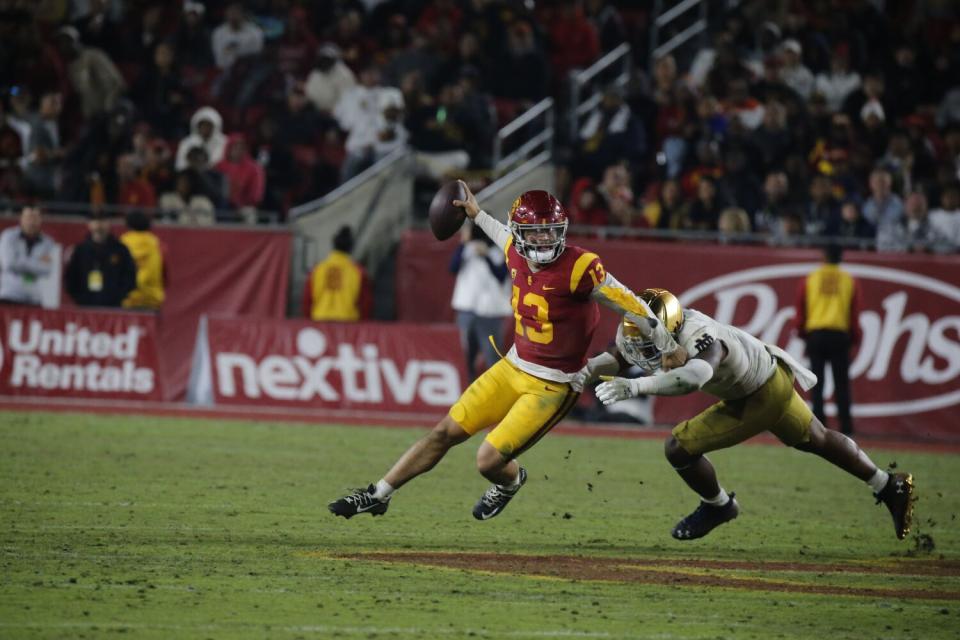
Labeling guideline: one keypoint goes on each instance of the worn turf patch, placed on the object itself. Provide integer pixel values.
(686, 572)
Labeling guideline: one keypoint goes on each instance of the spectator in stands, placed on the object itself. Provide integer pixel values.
(907, 165)
(281, 172)
(236, 37)
(147, 252)
(610, 133)
(133, 189)
(158, 165)
(481, 297)
(574, 42)
(840, 81)
(906, 83)
(206, 131)
(776, 198)
(873, 89)
(607, 22)
(338, 288)
(26, 256)
(739, 182)
(733, 222)
(45, 152)
(329, 79)
(101, 271)
(209, 181)
(705, 211)
(245, 178)
(295, 49)
(101, 27)
(187, 204)
(529, 76)
(883, 207)
(298, 123)
(92, 74)
(821, 207)
(851, 224)
(793, 73)
(946, 218)
(478, 111)
(914, 233)
(772, 138)
(142, 41)
(160, 94)
(668, 211)
(193, 37)
(19, 116)
(444, 134)
(873, 130)
(360, 113)
(587, 206)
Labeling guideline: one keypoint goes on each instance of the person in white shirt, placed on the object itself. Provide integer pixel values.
(754, 385)
(946, 218)
(481, 296)
(839, 82)
(362, 113)
(26, 257)
(235, 38)
(793, 73)
(329, 80)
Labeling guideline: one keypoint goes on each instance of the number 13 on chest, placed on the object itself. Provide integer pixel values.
(543, 335)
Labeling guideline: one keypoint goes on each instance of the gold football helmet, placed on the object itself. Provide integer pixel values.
(639, 351)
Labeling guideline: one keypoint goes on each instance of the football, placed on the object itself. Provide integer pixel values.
(446, 219)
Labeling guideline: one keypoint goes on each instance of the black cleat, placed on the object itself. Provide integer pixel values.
(705, 519)
(360, 501)
(899, 498)
(495, 499)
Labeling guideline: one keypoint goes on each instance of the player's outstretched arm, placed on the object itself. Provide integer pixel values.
(495, 230)
(688, 378)
(611, 293)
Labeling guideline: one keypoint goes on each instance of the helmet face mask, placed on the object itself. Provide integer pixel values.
(643, 352)
(538, 223)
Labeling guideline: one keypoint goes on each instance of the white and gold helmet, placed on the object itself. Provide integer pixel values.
(634, 347)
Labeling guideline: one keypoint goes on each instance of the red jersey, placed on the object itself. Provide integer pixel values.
(555, 317)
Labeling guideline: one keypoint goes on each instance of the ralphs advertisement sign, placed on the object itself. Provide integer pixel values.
(360, 366)
(79, 354)
(906, 373)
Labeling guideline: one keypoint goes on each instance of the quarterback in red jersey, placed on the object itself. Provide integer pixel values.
(556, 289)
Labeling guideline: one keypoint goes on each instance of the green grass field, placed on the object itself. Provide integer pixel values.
(163, 528)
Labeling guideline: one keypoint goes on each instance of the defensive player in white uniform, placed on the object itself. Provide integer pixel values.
(754, 383)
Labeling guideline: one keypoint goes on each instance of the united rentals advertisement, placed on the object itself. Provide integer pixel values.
(905, 374)
(78, 354)
(389, 367)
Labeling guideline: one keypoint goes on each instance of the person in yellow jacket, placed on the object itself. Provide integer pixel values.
(828, 319)
(338, 287)
(147, 252)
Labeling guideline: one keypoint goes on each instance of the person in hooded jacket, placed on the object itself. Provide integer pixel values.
(206, 130)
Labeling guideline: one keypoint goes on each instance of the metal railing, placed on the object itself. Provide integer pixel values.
(581, 80)
(537, 143)
(673, 15)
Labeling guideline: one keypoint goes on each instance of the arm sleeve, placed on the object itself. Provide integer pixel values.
(495, 230)
(676, 382)
(36, 263)
(613, 295)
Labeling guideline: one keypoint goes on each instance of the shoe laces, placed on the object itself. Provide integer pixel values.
(493, 496)
(359, 498)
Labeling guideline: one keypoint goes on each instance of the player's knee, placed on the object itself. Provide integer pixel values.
(447, 433)
(816, 437)
(489, 459)
(675, 453)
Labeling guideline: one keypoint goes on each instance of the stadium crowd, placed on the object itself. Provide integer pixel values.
(798, 118)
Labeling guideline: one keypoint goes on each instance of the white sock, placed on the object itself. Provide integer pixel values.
(383, 490)
(878, 480)
(513, 485)
(718, 500)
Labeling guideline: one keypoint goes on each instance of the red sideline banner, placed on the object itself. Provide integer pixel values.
(906, 374)
(78, 354)
(389, 367)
